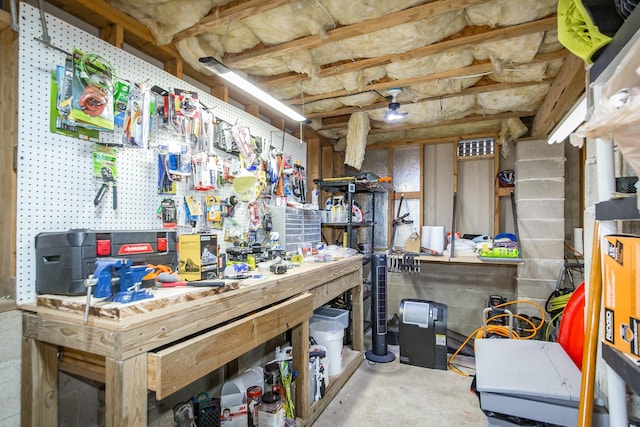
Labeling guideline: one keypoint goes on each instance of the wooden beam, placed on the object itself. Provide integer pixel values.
(8, 147)
(459, 42)
(221, 92)
(278, 123)
(100, 14)
(174, 67)
(466, 119)
(471, 70)
(223, 15)
(473, 90)
(429, 10)
(253, 109)
(429, 141)
(314, 163)
(113, 34)
(39, 366)
(567, 87)
(5, 19)
(125, 391)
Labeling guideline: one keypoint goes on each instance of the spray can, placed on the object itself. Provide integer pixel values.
(254, 395)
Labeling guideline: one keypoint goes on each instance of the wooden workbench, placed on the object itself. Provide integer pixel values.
(165, 347)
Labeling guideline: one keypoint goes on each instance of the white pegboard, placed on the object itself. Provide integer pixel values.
(55, 185)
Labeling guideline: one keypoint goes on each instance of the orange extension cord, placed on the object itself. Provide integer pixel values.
(502, 331)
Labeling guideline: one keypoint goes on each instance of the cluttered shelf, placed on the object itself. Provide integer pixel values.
(623, 208)
(465, 259)
(344, 224)
(341, 184)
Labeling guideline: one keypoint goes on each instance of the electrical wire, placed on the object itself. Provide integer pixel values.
(500, 330)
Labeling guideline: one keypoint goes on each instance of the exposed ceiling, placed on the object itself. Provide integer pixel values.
(466, 67)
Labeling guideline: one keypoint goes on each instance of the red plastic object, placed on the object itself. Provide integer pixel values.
(103, 247)
(162, 244)
(571, 329)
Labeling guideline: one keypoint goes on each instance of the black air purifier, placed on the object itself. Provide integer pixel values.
(423, 333)
(378, 352)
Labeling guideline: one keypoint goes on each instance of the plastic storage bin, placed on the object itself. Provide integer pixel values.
(332, 314)
(329, 334)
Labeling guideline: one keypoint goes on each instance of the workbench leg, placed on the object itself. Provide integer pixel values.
(300, 344)
(126, 392)
(357, 315)
(39, 395)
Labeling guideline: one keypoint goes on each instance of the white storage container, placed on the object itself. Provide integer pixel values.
(332, 314)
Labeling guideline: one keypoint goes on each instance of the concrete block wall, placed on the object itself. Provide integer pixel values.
(540, 198)
(464, 288)
(10, 367)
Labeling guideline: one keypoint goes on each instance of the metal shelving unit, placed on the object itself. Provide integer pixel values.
(350, 188)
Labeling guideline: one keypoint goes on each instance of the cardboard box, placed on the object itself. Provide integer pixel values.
(198, 256)
(621, 294)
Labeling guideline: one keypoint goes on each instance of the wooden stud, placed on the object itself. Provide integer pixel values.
(300, 339)
(113, 34)
(421, 219)
(39, 393)
(174, 66)
(314, 163)
(253, 109)
(8, 151)
(278, 123)
(126, 389)
(568, 85)
(496, 196)
(221, 92)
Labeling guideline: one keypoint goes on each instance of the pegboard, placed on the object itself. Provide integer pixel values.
(55, 184)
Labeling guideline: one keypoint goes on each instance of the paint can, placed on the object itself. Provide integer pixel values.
(254, 396)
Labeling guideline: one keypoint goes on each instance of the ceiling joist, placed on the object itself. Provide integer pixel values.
(459, 42)
(413, 14)
(470, 71)
(473, 90)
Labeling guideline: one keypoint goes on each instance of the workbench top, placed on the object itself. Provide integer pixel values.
(236, 296)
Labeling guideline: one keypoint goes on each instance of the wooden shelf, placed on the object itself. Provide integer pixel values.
(624, 366)
(504, 191)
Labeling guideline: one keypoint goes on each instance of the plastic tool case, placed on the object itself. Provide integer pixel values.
(65, 259)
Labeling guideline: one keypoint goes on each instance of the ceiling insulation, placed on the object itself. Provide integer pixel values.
(453, 59)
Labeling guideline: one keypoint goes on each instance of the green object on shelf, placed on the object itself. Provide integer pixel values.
(577, 32)
(499, 253)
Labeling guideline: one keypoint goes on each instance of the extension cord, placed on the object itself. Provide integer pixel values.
(502, 331)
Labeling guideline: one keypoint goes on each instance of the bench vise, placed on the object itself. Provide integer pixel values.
(120, 272)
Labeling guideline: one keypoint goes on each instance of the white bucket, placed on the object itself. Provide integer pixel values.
(329, 334)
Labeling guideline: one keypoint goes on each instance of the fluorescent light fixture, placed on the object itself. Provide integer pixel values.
(570, 122)
(221, 70)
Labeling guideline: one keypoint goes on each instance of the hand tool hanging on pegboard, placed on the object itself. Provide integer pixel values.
(104, 170)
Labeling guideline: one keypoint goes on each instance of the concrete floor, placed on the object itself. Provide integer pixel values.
(395, 394)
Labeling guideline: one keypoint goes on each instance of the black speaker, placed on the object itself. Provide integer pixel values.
(378, 352)
(423, 333)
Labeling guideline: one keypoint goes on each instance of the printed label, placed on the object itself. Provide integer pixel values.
(609, 326)
(138, 248)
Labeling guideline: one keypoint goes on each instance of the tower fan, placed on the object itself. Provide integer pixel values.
(378, 352)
